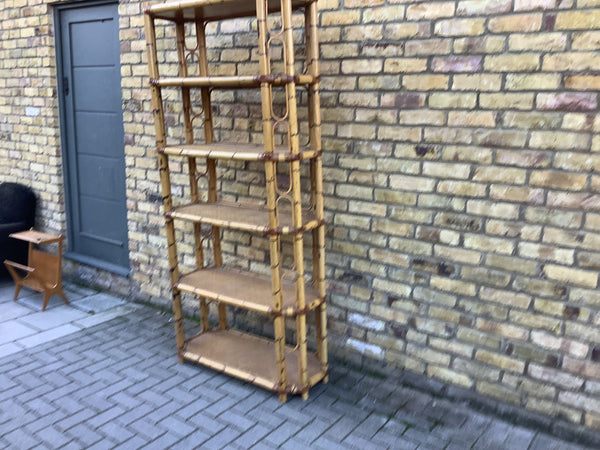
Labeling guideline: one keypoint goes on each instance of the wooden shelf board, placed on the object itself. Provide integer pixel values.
(207, 10)
(36, 237)
(233, 151)
(232, 82)
(241, 217)
(244, 289)
(249, 358)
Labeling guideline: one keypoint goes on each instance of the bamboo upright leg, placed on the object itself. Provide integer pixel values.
(293, 142)
(163, 166)
(270, 175)
(211, 163)
(192, 167)
(314, 114)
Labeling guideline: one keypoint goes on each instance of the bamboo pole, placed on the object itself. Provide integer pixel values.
(192, 166)
(270, 175)
(163, 165)
(312, 59)
(211, 164)
(293, 142)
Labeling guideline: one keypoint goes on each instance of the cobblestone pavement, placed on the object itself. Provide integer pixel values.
(111, 380)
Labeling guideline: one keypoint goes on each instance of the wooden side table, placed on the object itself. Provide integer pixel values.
(43, 272)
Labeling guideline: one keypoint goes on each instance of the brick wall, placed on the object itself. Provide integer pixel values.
(461, 149)
(29, 135)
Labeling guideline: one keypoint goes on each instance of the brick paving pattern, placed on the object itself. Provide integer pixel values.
(118, 385)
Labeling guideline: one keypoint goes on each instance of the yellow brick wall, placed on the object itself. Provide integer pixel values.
(461, 144)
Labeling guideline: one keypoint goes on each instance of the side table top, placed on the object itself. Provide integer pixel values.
(37, 237)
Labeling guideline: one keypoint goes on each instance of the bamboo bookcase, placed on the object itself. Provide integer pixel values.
(270, 363)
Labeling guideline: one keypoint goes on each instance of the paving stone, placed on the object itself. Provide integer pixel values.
(325, 443)
(355, 440)
(105, 416)
(371, 425)
(206, 422)
(192, 409)
(176, 426)
(283, 433)
(85, 435)
(342, 428)
(222, 438)
(53, 437)
(75, 419)
(193, 440)
(147, 428)
(312, 431)
(251, 436)
(236, 420)
(18, 439)
(116, 432)
(419, 437)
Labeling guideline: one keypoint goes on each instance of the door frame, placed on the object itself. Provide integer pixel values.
(58, 9)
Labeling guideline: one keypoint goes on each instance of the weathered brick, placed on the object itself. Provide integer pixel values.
(571, 61)
(479, 44)
(481, 7)
(567, 101)
(459, 27)
(535, 321)
(448, 100)
(577, 20)
(545, 252)
(558, 180)
(501, 138)
(542, 42)
(552, 140)
(405, 65)
(492, 209)
(425, 82)
(537, 82)
(426, 12)
(488, 243)
(515, 22)
(493, 175)
(523, 62)
(420, 184)
(422, 117)
(587, 40)
(532, 120)
(477, 82)
(456, 286)
(472, 119)
(383, 14)
(572, 276)
(456, 64)
(449, 376)
(467, 154)
(501, 361)
(428, 47)
(461, 188)
(573, 200)
(506, 101)
(527, 5)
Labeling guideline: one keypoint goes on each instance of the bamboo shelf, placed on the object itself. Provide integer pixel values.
(245, 290)
(237, 216)
(249, 358)
(239, 82)
(287, 292)
(239, 152)
(210, 10)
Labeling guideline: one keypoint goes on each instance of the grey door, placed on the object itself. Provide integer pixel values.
(92, 134)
